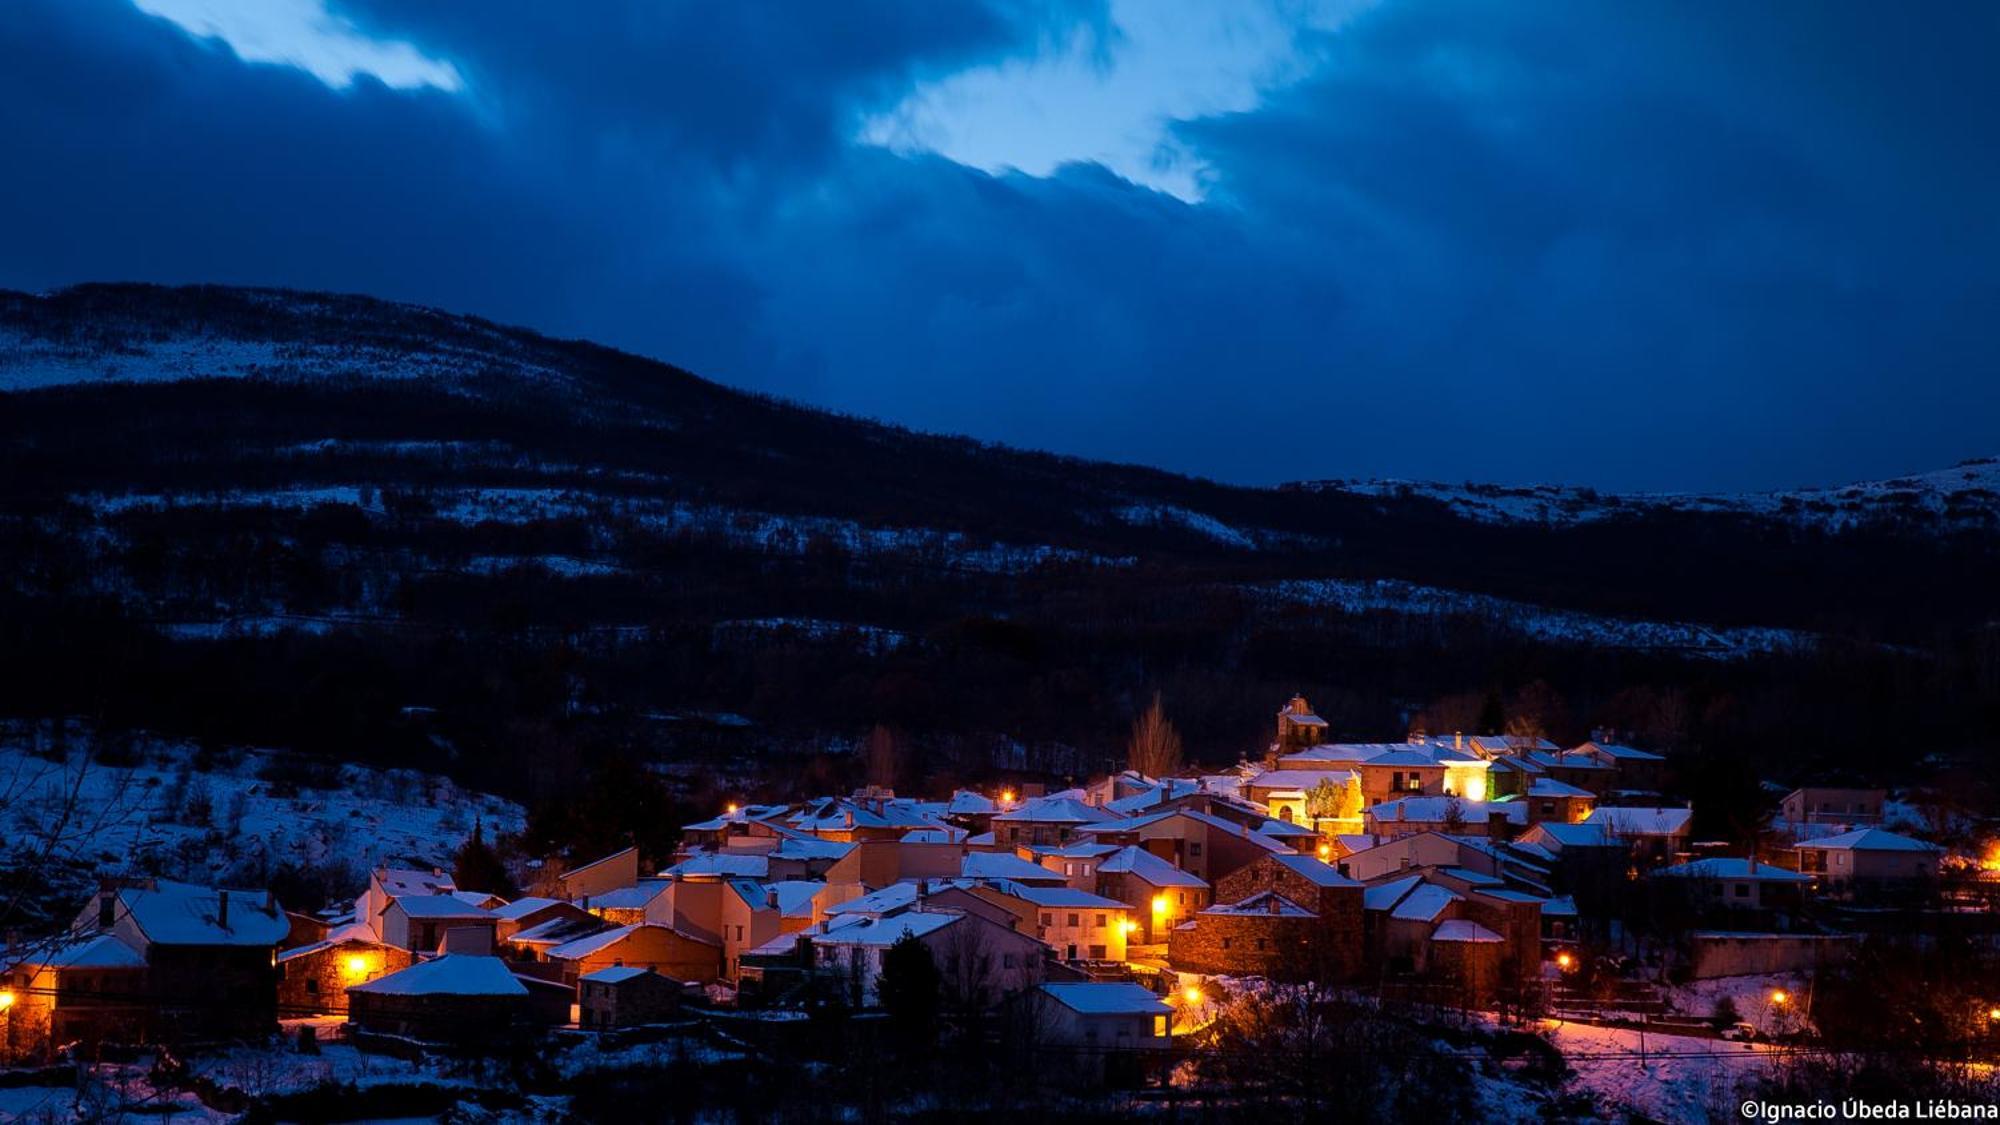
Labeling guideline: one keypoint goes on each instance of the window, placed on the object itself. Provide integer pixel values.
(1007, 961)
(1225, 943)
(312, 986)
(1102, 921)
(1548, 808)
(1194, 849)
(1396, 780)
(1742, 890)
(1159, 1026)
(1072, 919)
(1097, 953)
(1048, 919)
(1183, 898)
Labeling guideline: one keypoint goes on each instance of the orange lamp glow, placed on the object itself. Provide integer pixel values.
(1993, 1014)
(1780, 997)
(357, 966)
(1325, 852)
(1565, 961)
(6, 1000)
(1006, 796)
(1159, 904)
(730, 808)
(1192, 994)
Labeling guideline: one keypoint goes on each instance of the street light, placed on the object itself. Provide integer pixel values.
(6, 1000)
(1192, 994)
(729, 809)
(1565, 961)
(1780, 997)
(1325, 852)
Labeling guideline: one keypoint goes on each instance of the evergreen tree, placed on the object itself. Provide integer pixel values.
(477, 867)
(908, 989)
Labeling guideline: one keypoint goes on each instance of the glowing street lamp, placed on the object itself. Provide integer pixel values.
(1325, 852)
(6, 999)
(1192, 994)
(1993, 1014)
(1565, 961)
(730, 808)
(357, 966)
(1006, 796)
(1780, 997)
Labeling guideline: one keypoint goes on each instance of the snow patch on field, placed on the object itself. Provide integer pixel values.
(1542, 623)
(1967, 495)
(163, 816)
(1201, 523)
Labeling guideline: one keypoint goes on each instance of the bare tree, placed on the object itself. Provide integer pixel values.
(884, 757)
(1155, 746)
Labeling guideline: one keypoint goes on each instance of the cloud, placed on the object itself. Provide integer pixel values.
(1632, 246)
(302, 33)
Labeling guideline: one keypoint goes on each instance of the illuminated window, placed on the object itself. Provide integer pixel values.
(1160, 1026)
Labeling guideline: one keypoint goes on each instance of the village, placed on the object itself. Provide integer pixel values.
(1495, 876)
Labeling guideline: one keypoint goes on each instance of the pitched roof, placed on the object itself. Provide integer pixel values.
(557, 930)
(1056, 810)
(1382, 896)
(1106, 998)
(1135, 860)
(447, 908)
(1425, 903)
(1731, 867)
(1622, 753)
(873, 930)
(1263, 902)
(1550, 787)
(1437, 810)
(1625, 821)
(1314, 871)
(454, 974)
(630, 898)
(1004, 865)
(103, 951)
(184, 914)
(1463, 929)
(617, 974)
(1868, 840)
(1062, 897)
(1292, 777)
(725, 864)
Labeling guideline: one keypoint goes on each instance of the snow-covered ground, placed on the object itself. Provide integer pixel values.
(161, 815)
(1671, 1078)
(1965, 495)
(1542, 623)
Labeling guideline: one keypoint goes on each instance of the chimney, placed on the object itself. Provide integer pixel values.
(1458, 740)
(1273, 904)
(771, 897)
(222, 909)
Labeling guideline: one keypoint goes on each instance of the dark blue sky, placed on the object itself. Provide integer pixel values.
(1632, 245)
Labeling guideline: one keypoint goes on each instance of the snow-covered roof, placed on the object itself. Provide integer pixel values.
(964, 802)
(1004, 865)
(1106, 998)
(1078, 850)
(486, 900)
(557, 930)
(1438, 810)
(440, 908)
(104, 951)
(630, 898)
(1732, 867)
(895, 896)
(454, 974)
(723, 865)
(944, 835)
(1624, 821)
(1301, 779)
(1868, 840)
(849, 929)
(1425, 903)
(811, 847)
(184, 914)
(1136, 860)
(1622, 753)
(1476, 878)
(1061, 897)
(1463, 929)
(1269, 903)
(1585, 835)
(1382, 896)
(1311, 869)
(413, 881)
(794, 897)
(616, 974)
(1056, 810)
(1550, 787)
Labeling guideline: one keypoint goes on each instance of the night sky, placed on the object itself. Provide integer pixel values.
(1690, 244)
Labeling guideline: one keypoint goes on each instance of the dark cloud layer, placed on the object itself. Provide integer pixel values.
(1628, 245)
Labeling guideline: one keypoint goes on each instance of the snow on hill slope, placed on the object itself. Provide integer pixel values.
(244, 815)
(1967, 495)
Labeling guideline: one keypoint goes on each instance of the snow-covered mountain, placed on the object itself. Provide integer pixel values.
(1964, 496)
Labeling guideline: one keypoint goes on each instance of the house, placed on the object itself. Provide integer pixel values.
(85, 989)
(1636, 770)
(1454, 815)
(456, 998)
(1869, 860)
(647, 945)
(433, 923)
(1199, 843)
(626, 996)
(625, 905)
(1737, 884)
(1549, 799)
(1265, 934)
(210, 954)
(1585, 771)
(1457, 929)
(1005, 866)
(1333, 899)
(1046, 821)
(1078, 925)
(1298, 728)
(313, 979)
(1104, 1027)
(1827, 805)
(1653, 835)
(1287, 793)
(385, 883)
(530, 913)
(985, 959)
(1159, 894)
(618, 870)
(753, 913)
(1076, 862)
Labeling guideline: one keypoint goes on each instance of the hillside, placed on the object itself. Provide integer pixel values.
(286, 519)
